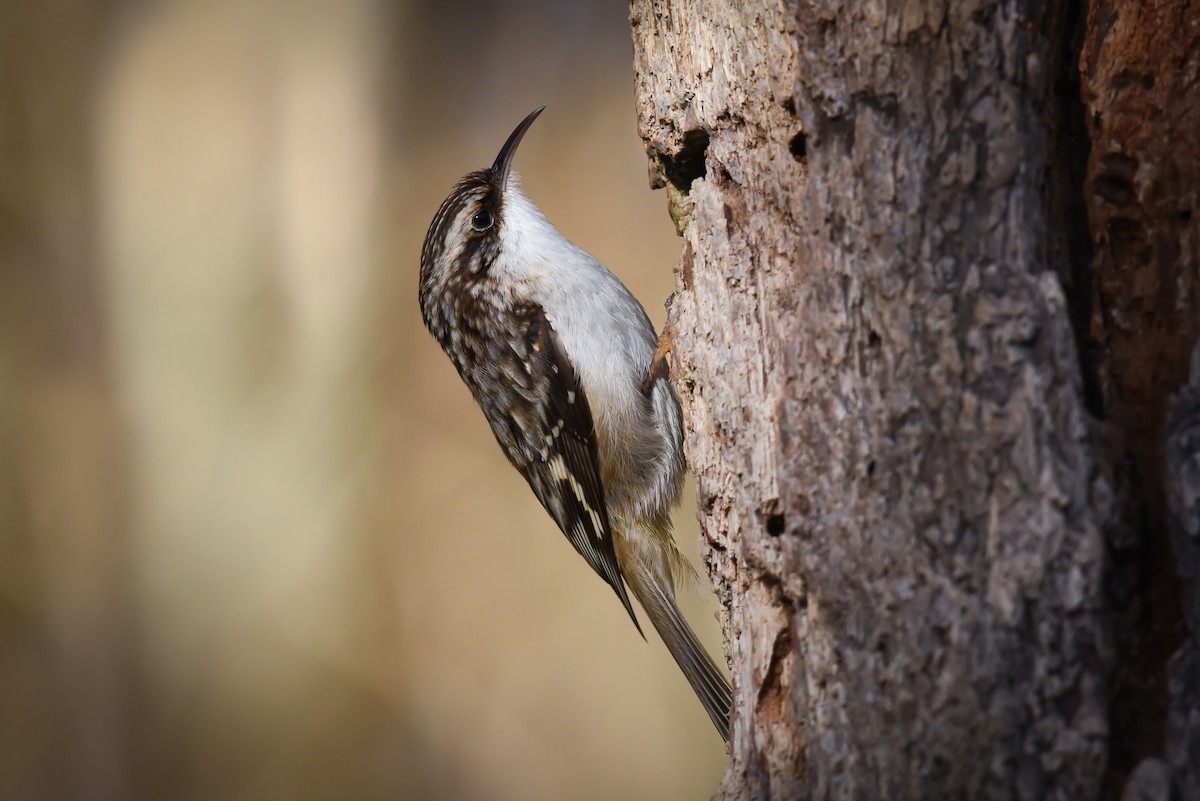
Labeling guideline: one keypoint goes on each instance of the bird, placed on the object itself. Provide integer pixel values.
(563, 361)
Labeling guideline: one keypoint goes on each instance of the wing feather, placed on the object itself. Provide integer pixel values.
(564, 471)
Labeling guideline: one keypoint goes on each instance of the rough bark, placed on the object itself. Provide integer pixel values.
(911, 484)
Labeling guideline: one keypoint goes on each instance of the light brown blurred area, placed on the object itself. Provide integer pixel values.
(256, 541)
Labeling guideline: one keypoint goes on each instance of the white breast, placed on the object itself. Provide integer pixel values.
(610, 341)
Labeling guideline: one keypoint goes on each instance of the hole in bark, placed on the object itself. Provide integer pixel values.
(871, 468)
(1123, 79)
(789, 105)
(873, 339)
(1115, 190)
(799, 147)
(1119, 165)
(689, 163)
(773, 517)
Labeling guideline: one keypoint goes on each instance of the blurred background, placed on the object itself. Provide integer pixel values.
(256, 541)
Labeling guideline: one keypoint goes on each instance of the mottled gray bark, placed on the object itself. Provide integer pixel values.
(908, 485)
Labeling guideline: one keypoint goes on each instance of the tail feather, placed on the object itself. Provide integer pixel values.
(701, 672)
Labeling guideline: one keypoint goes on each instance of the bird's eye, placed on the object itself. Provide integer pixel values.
(481, 220)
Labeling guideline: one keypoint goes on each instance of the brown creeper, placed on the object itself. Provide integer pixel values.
(557, 353)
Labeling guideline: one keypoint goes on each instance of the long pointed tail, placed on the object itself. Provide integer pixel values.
(702, 673)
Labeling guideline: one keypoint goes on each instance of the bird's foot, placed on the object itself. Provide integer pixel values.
(658, 362)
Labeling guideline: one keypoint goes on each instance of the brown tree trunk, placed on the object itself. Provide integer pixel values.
(1140, 70)
(926, 346)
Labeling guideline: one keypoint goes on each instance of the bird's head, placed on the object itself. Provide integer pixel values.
(464, 239)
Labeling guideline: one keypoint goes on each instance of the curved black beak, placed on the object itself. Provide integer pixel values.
(503, 161)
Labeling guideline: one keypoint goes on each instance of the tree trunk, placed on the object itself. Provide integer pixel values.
(926, 347)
